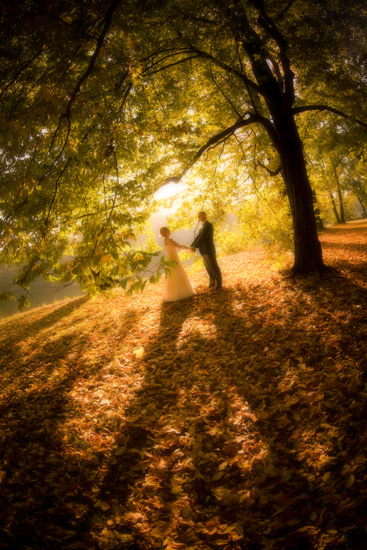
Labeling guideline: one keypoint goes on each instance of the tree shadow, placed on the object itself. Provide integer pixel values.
(25, 359)
(142, 459)
(211, 476)
(48, 491)
(30, 327)
(284, 486)
(337, 330)
(355, 247)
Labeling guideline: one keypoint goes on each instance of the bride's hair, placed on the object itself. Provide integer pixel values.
(163, 231)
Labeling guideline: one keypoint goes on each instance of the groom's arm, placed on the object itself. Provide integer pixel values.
(195, 242)
(205, 232)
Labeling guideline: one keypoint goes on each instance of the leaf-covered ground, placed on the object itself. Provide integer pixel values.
(232, 420)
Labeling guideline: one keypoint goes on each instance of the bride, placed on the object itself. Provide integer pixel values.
(177, 284)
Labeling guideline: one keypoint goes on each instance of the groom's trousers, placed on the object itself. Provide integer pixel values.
(212, 267)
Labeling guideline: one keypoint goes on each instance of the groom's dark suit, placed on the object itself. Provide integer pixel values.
(205, 243)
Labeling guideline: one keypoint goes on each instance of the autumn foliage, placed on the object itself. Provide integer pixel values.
(233, 420)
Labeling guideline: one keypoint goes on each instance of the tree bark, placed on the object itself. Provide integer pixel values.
(336, 213)
(363, 207)
(340, 195)
(307, 247)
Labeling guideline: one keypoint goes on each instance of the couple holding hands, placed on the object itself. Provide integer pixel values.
(178, 286)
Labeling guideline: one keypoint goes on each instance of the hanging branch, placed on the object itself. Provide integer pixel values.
(117, 178)
(223, 93)
(128, 90)
(107, 23)
(174, 51)
(161, 104)
(55, 193)
(23, 68)
(254, 183)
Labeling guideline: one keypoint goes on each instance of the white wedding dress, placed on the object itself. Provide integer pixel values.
(177, 285)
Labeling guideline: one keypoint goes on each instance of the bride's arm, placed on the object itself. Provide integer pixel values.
(181, 246)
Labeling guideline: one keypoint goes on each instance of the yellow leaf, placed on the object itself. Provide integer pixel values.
(175, 489)
(139, 352)
(125, 538)
(326, 477)
(103, 505)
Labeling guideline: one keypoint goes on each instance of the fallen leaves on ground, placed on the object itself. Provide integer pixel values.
(232, 420)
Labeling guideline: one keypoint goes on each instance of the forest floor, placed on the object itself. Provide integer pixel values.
(231, 420)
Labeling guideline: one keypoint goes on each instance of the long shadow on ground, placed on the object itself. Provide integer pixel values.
(45, 489)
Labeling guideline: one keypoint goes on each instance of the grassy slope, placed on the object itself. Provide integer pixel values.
(230, 420)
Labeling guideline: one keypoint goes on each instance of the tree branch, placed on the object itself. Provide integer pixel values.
(25, 66)
(277, 72)
(228, 69)
(54, 195)
(128, 90)
(117, 178)
(284, 10)
(149, 72)
(223, 93)
(270, 27)
(218, 138)
(171, 52)
(106, 25)
(305, 108)
(271, 172)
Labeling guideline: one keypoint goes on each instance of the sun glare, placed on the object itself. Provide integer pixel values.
(168, 191)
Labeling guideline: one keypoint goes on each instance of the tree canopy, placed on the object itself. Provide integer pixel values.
(104, 102)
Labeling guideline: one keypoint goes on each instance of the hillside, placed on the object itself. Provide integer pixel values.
(232, 420)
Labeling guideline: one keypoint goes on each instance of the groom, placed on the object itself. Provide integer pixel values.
(205, 243)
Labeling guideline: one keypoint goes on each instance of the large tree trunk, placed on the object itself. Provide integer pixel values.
(307, 248)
